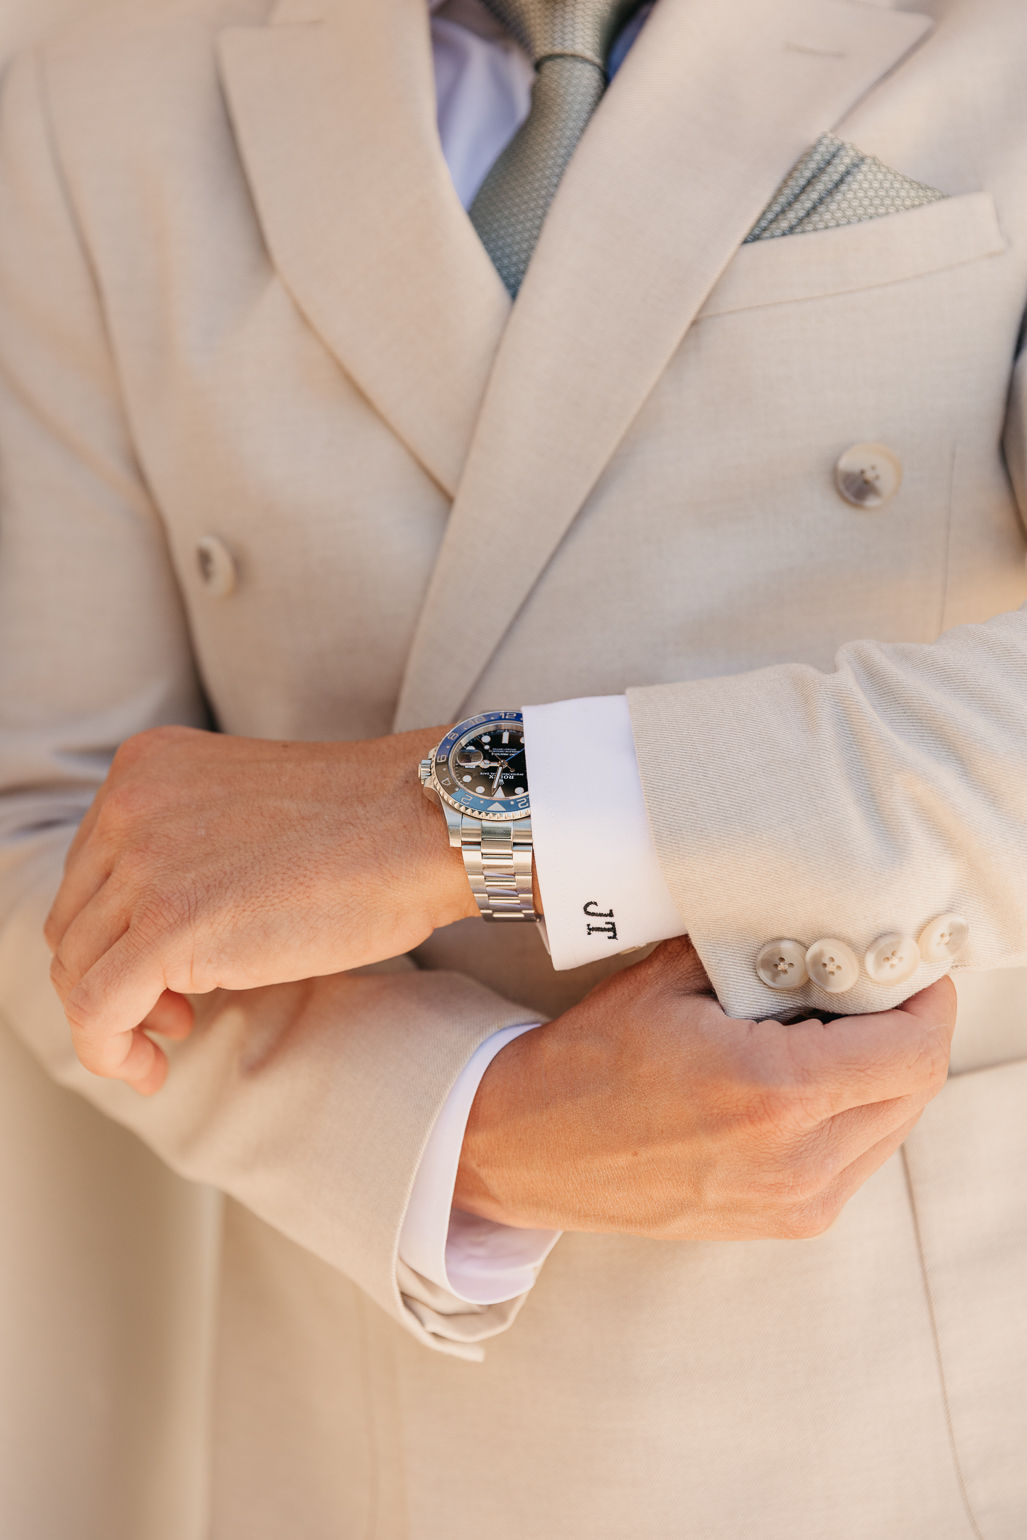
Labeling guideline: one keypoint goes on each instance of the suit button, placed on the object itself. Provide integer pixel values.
(832, 965)
(943, 938)
(217, 566)
(782, 964)
(892, 959)
(868, 475)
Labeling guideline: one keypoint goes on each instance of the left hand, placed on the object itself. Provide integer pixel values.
(210, 862)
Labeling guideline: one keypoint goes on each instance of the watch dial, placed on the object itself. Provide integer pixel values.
(489, 762)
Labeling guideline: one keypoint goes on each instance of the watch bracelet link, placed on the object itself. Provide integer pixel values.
(497, 860)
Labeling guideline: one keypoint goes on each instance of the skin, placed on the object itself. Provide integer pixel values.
(212, 862)
(645, 1110)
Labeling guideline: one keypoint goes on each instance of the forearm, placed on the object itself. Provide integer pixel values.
(308, 1102)
(794, 803)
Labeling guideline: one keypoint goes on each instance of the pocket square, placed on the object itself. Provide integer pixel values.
(836, 184)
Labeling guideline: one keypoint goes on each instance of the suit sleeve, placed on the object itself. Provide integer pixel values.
(312, 1102)
(793, 803)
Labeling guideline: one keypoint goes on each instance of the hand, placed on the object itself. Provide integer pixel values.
(646, 1111)
(212, 862)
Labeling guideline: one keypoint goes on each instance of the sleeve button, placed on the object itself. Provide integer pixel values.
(892, 959)
(943, 938)
(832, 965)
(781, 964)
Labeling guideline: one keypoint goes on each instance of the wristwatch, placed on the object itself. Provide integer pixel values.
(478, 777)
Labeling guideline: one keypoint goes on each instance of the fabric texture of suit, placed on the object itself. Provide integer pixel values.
(238, 296)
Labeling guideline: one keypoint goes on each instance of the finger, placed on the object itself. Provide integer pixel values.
(173, 1016)
(829, 1204)
(86, 869)
(92, 932)
(847, 1136)
(855, 1060)
(108, 1003)
(937, 1004)
(146, 1066)
(88, 823)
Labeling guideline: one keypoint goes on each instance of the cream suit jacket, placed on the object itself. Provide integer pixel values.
(238, 297)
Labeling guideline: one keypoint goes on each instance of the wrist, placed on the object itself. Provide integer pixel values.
(496, 1177)
(442, 881)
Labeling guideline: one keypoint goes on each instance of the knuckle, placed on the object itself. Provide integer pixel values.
(938, 1065)
(51, 931)
(142, 746)
(131, 800)
(801, 1187)
(97, 1050)
(60, 977)
(805, 1221)
(779, 1109)
(171, 909)
(93, 1058)
(132, 752)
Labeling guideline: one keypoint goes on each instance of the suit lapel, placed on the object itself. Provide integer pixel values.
(333, 106)
(715, 104)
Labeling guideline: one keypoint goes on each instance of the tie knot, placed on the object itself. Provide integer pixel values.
(585, 29)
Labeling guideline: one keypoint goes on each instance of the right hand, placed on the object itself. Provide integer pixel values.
(208, 861)
(645, 1110)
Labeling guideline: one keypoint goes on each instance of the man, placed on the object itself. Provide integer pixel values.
(277, 445)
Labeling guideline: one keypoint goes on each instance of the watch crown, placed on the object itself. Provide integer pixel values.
(424, 771)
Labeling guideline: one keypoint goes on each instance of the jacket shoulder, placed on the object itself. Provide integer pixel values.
(133, 53)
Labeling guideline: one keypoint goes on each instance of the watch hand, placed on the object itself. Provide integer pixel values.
(499, 776)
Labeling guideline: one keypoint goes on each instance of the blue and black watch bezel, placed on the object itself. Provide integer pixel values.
(465, 801)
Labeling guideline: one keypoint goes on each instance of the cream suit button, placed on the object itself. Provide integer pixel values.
(832, 965)
(892, 959)
(868, 475)
(781, 964)
(217, 566)
(943, 938)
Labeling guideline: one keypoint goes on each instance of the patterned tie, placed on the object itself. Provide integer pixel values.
(568, 41)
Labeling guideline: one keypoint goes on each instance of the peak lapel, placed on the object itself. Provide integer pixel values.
(333, 105)
(715, 104)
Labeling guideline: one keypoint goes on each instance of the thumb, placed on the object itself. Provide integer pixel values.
(935, 1006)
(678, 965)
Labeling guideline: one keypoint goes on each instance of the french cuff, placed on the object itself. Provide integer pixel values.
(474, 1260)
(601, 882)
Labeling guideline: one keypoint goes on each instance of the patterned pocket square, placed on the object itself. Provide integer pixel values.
(836, 184)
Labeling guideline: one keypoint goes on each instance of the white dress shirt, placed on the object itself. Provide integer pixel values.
(598, 873)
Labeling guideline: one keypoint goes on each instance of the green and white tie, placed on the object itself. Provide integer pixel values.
(569, 42)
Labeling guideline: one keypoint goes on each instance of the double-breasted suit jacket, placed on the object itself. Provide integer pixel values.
(242, 312)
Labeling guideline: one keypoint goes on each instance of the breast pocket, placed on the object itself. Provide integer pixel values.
(858, 257)
(877, 350)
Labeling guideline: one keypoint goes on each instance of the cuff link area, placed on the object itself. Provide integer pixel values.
(832, 965)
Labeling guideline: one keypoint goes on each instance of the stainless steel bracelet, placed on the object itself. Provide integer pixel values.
(497, 860)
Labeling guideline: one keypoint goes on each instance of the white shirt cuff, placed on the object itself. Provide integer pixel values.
(598, 873)
(477, 1260)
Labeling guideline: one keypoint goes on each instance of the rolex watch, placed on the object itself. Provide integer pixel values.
(478, 777)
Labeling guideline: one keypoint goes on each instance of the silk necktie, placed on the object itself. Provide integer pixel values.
(568, 41)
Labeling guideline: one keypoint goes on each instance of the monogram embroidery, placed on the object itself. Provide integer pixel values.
(595, 913)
